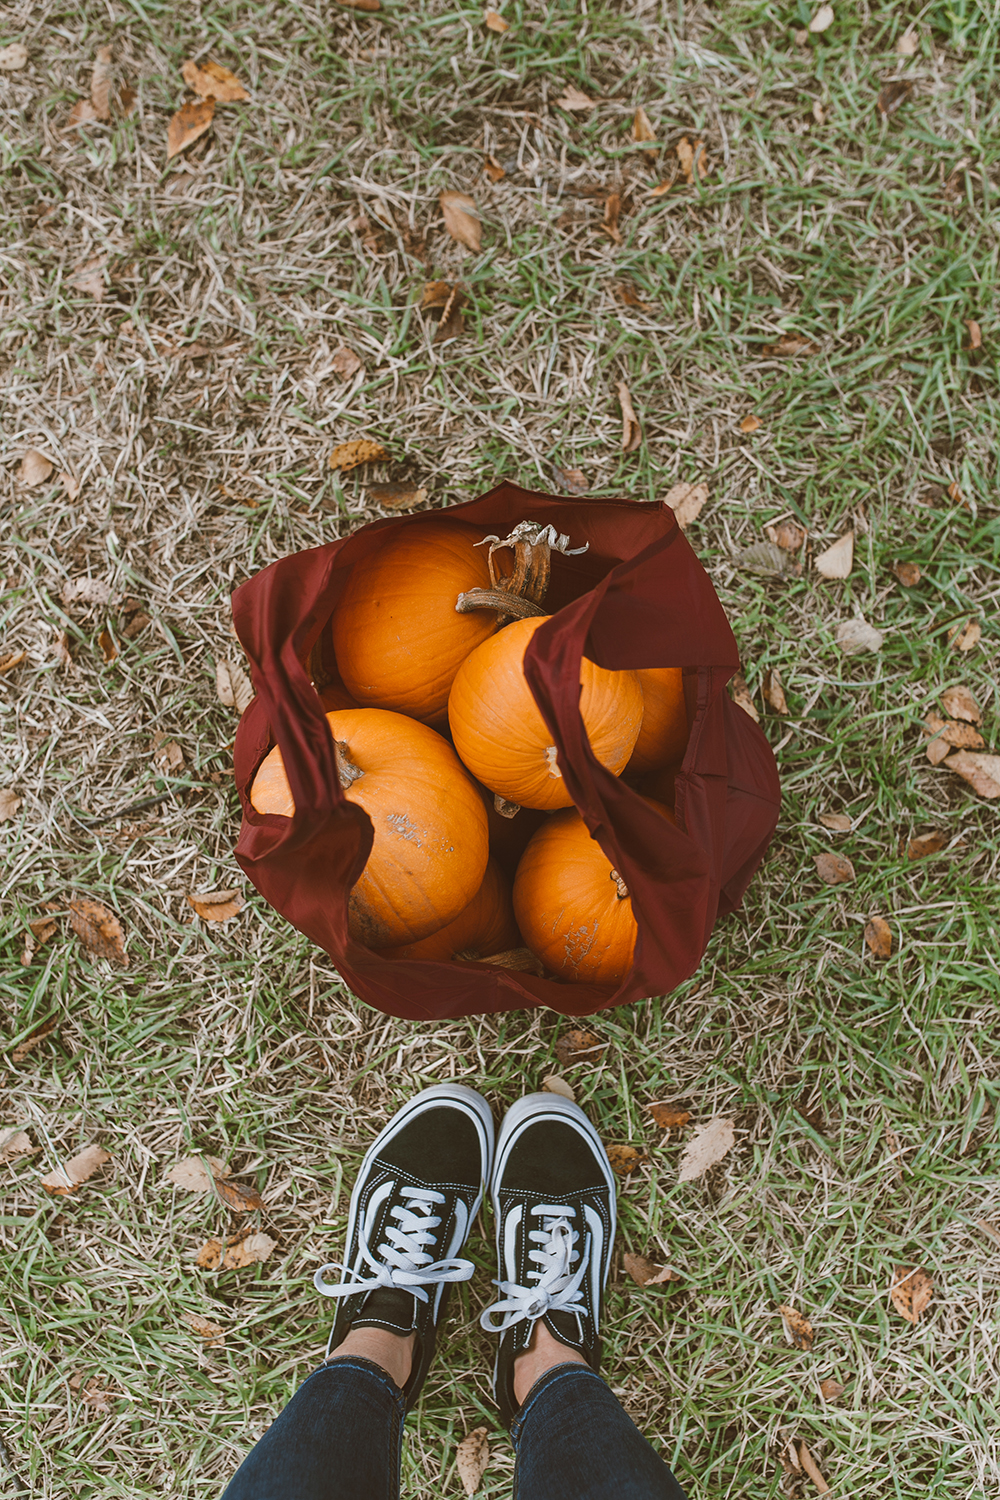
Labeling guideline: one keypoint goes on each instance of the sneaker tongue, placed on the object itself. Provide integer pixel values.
(388, 1307)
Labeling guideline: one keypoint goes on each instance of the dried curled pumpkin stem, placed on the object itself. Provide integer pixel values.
(346, 769)
(619, 882)
(512, 594)
(506, 605)
(504, 808)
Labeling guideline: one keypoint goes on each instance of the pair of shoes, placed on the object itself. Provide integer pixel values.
(420, 1186)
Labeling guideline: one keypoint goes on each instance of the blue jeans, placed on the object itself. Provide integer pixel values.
(340, 1438)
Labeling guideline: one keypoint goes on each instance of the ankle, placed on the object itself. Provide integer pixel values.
(392, 1351)
(543, 1353)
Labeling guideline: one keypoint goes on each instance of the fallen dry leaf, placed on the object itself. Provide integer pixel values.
(642, 129)
(66, 1179)
(14, 659)
(809, 1465)
(216, 906)
(126, 103)
(661, 188)
(798, 1329)
(70, 484)
(709, 1144)
(966, 637)
(109, 650)
(609, 224)
(195, 1173)
(908, 43)
(975, 334)
(573, 481)
(958, 733)
(553, 1084)
(577, 1045)
(836, 822)
(82, 113)
(494, 171)
(878, 936)
(937, 750)
(631, 429)
(471, 1458)
(911, 1290)
(954, 493)
(496, 22)
(210, 80)
(361, 4)
(837, 561)
(926, 844)
(451, 324)
(742, 697)
(574, 99)
(189, 125)
(35, 468)
(625, 1159)
(9, 803)
(461, 219)
(100, 84)
(646, 1272)
(13, 57)
(750, 423)
(167, 754)
(397, 496)
(687, 502)
(232, 685)
(244, 1199)
(91, 1392)
(892, 95)
(766, 559)
(833, 869)
(830, 1389)
(690, 158)
(99, 930)
(626, 293)
(60, 649)
(909, 574)
(668, 1116)
(210, 1332)
(853, 636)
(347, 456)
(346, 363)
(89, 277)
(248, 1251)
(33, 1040)
(788, 536)
(957, 701)
(15, 1142)
(982, 772)
(788, 345)
(822, 20)
(85, 591)
(774, 693)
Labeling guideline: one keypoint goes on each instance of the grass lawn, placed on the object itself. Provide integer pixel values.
(864, 1092)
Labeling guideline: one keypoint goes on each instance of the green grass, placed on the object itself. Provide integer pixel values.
(877, 240)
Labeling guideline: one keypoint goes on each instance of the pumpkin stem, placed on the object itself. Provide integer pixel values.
(504, 808)
(528, 581)
(346, 769)
(619, 882)
(516, 958)
(550, 755)
(508, 606)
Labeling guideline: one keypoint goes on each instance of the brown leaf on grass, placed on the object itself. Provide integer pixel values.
(668, 1116)
(982, 772)
(822, 20)
(210, 1332)
(36, 936)
(35, 468)
(9, 803)
(12, 660)
(243, 1199)
(609, 224)
(836, 822)
(642, 128)
(572, 481)
(774, 693)
(91, 1392)
(966, 637)
(14, 1143)
(495, 22)
(553, 1084)
(13, 57)
(975, 335)
(461, 220)
(908, 43)
(709, 1144)
(100, 84)
(645, 1272)
(926, 844)
(957, 702)
(210, 80)
(126, 101)
(472, 1457)
(878, 936)
(167, 754)
(346, 363)
(631, 429)
(109, 650)
(809, 1465)
(788, 536)
(67, 1178)
(189, 125)
(232, 686)
(661, 188)
(892, 95)
(347, 456)
(451, 324)
(740, 693)
(577, 1046)
(837, 561)
(911, 1289)
(687, 502)
(958, 733)
(798, 1329)
(99, 930)
(60, 649)
(397, 496)
(33, 1040)
(788, 345)
(626, 293)
(573, 99)
(954, 493)
(692, 160)
(71, 485)
(216, 906)
(361, 4)
(834, 869)
(494, 171)
(750, 423)
(937, 750)
(248, 1251)
(82, 113)
(625, 1159)
(830, 1389)
(195, 1173)
(853, 636)
(87, 591)
(909, 574)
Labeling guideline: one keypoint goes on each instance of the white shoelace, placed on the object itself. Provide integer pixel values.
(401, 1261)
(557, 1287)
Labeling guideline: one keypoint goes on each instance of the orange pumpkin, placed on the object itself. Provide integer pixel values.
(397, 636)
(573, 909)
(486, 926)
(500, 735)
(430, 846)
(663, 736)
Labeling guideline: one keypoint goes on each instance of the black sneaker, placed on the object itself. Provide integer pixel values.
(420, 1186)
(554, 1199)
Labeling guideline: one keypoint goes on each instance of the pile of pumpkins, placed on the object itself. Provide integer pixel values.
(439, 739)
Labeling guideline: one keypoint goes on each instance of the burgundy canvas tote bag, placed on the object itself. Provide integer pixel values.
(638, 597)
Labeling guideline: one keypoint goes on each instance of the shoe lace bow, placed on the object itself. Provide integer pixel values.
(401, 1261)
(556, 1286)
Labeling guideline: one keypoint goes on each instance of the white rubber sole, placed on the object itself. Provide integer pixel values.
(534, 1107)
